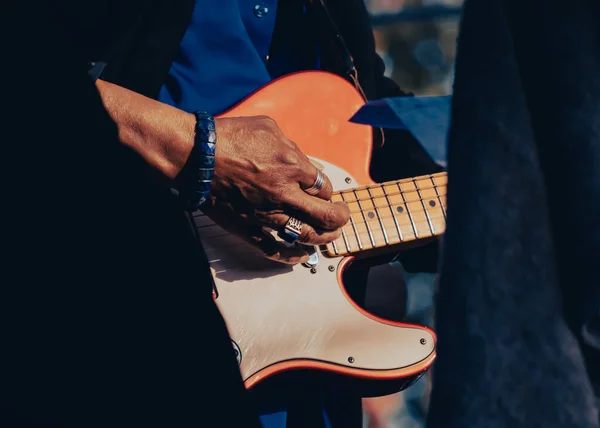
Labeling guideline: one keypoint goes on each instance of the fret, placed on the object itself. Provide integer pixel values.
(342, 241)
(415, 207)
(372, 217)
(437, 182)
(345, 240)
(365, 238)
(382, 225)
(335, 248)
(433, 203)
(416, 184)
(355, 234)
(408, 211)
(352, 237)
(383, 228)
(364, 216)
(391, 208)
(421, 222)
(352, 205)
(392, 213)
(400, 211)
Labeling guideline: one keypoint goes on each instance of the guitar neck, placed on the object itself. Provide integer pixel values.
(392, 213)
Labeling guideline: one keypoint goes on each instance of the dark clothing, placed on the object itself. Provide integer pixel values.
(103, 318)
(519, 276)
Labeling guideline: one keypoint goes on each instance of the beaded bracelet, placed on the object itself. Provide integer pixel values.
(199, 171)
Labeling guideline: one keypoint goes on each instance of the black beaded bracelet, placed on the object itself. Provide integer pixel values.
(199, 170)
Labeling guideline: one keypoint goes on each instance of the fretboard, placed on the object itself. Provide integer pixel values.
(392, 213)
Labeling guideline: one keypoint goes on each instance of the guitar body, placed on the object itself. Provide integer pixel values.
(312, 109)
(282, 317)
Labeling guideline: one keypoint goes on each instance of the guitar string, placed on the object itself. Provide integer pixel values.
(387, 205)
(412, 222)
(396, 193)
(399, 193)
(430, 177)
(207, 241)
(374, 220)
(349, 231)
(425, 209)
(353, 224)
(420, 179)
(390, 206)
(364, 215)
(357, 223)
(380, 220)
(349, 249)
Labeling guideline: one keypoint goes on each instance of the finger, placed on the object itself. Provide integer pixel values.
(318, 213)
(309, 235)
(311, 178)
(275, 251)
(308, 174)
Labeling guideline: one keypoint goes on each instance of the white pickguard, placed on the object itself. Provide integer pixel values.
(276, 312)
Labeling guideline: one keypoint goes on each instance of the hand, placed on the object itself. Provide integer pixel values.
(259, 174)
(259, 180)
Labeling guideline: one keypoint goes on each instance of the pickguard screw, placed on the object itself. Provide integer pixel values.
(350, 359)
(423, 341)
(313, 270)
(348, 180)
(331, 268)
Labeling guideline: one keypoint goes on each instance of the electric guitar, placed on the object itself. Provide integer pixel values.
(283, 317)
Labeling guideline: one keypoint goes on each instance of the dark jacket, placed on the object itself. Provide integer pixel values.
(519, 279)
(103, 319)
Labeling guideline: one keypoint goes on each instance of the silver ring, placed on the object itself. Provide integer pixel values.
(318, 184)
(292, 230)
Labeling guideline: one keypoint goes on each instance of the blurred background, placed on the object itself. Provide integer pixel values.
(417, 41)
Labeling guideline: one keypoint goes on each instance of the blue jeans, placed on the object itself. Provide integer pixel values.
(314, 409)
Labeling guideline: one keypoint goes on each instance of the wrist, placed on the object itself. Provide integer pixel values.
(166, 146)
(178, 156)
(197, 174)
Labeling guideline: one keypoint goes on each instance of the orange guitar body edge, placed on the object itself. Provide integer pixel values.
(335, 140)
(324, 121)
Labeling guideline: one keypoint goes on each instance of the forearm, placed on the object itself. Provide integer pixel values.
(163, 135)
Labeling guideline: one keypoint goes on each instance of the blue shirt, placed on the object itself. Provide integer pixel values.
(223, 55)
